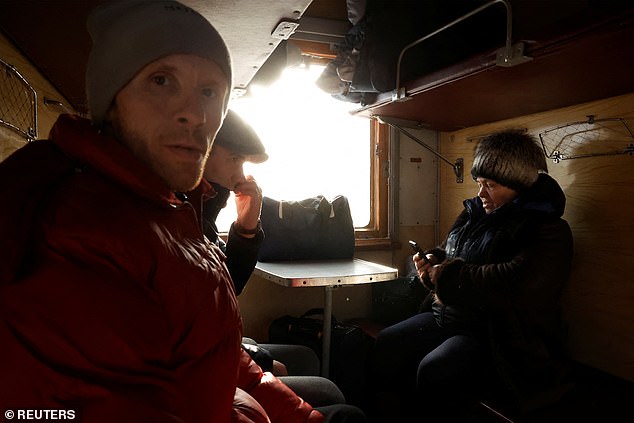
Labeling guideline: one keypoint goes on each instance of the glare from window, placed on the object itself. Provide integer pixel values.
(315, 145)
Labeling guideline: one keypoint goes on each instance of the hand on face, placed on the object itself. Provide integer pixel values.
(248, 197)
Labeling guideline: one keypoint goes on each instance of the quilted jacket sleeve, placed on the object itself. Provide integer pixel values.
(281, 404)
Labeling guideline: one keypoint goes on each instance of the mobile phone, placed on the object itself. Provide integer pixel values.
(418, 250)
(426, 279)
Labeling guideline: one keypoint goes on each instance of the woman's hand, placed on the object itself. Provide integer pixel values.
(426, 269)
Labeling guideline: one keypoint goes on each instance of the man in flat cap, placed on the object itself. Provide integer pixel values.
(235, 144)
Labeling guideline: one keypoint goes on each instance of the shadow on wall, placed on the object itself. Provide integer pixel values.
(9, 142)
(599, 299)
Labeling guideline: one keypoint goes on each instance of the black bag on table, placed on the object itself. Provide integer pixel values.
(349, 347)
(310, 229)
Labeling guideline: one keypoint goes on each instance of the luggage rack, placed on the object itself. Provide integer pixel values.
(18, 108)
(589, 138)
(507, 56)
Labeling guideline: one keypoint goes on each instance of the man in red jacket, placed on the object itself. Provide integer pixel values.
(114, 307)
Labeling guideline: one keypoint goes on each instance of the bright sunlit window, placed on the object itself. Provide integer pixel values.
(314, 145)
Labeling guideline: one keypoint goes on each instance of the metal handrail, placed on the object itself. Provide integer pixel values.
(457, 166)
(508, 49)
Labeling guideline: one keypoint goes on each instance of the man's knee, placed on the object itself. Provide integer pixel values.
(342, 413)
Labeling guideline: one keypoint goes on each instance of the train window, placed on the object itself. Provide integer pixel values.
(315, 146)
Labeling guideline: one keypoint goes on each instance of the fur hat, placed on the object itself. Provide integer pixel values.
(129, 34)
(512, 158)
(239, 137)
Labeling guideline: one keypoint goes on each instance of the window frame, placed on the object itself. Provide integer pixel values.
(377, 233)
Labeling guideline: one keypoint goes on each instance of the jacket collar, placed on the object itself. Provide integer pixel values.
(544, 197)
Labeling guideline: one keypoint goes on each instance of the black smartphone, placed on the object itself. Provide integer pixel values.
(418, 250)
(426, 279)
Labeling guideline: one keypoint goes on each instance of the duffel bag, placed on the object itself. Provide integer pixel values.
(310, 229)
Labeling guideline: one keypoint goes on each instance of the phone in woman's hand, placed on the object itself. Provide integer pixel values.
(426, 279)
(418, 250)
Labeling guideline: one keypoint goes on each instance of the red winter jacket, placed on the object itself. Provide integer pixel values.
(112, 302)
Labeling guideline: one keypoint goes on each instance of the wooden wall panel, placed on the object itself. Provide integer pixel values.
(9, 142)
(599, 299)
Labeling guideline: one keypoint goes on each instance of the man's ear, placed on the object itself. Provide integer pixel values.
(112, 112)
(111, 116)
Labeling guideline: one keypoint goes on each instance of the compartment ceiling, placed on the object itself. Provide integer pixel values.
(582, 50)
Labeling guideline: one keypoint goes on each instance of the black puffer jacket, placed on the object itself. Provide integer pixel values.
(506, 271)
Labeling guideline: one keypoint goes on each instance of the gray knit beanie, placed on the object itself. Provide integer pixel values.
(512, 158)
(129, 34)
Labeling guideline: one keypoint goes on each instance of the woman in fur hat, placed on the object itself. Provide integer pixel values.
(492, 319)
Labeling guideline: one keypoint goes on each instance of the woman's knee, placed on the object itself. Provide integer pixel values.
(451, 364)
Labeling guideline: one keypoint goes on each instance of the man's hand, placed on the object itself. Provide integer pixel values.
(248, 195)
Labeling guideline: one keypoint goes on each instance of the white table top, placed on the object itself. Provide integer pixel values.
(324, 272)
